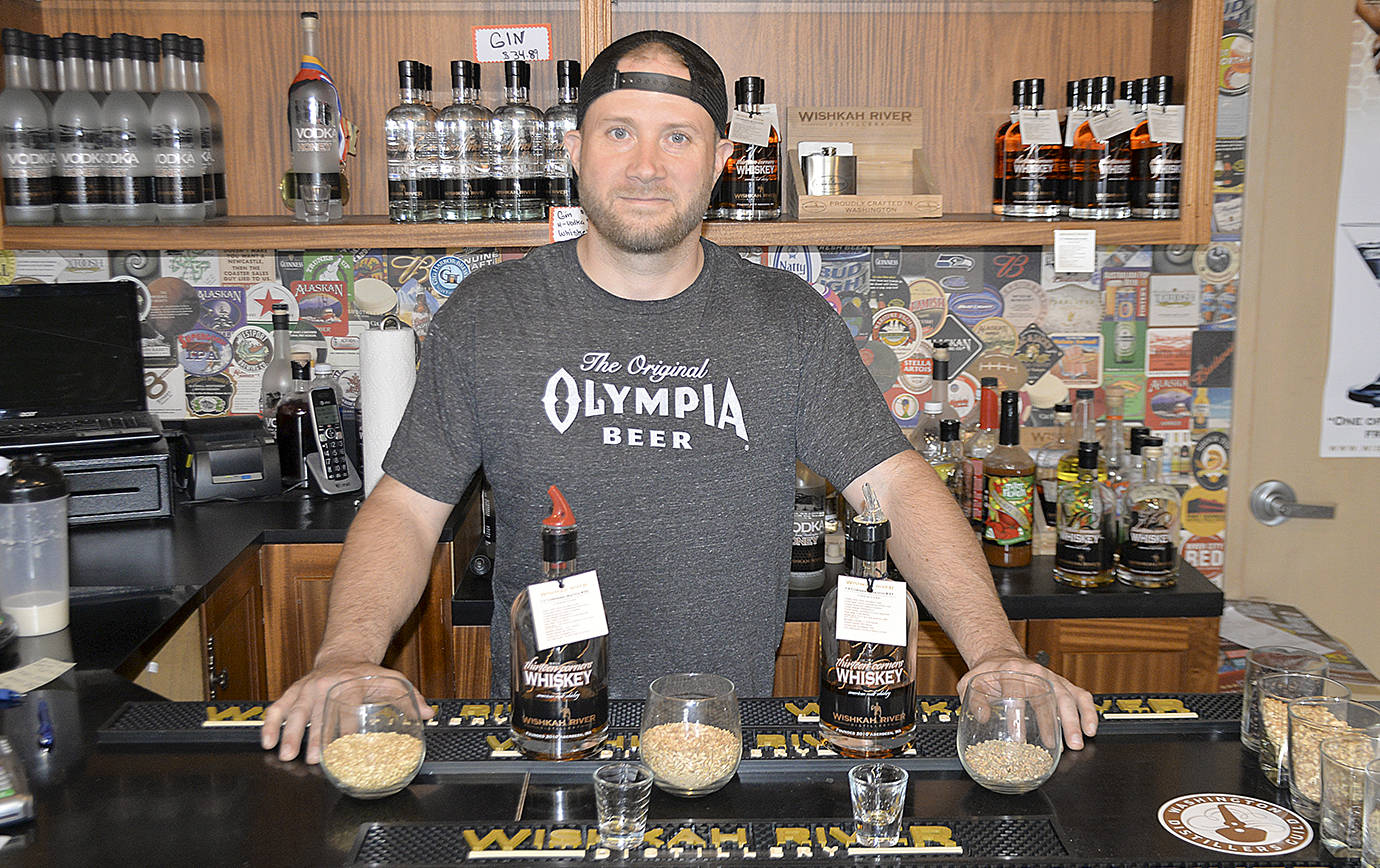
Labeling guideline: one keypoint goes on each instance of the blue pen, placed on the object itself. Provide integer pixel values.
(7, 695)
(45, 725)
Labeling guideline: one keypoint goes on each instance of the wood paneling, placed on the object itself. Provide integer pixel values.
(938, 665)
(797, 660)
(1107, 655)
(232, 628)
(473, 663)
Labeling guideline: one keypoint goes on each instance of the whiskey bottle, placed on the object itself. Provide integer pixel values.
(867, 676)
(1009, 479)
(1155, 166)
(560, 692)
(518, 160)
(559, 120)
(1047, 462)
(752, 175)
(1075, 92)
(466, 143)
(218, 193)
(999, 167)
(1085, 428)
(26, 144)
(1102, 163)
(1149, 556)
(409, 130)
(128, 139)
(77, 139)
(316, 132)
(1032, 170)
(982, 441)
(1084, 537)
(950, 457)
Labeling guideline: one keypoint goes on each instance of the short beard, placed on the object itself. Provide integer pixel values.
(643, 238)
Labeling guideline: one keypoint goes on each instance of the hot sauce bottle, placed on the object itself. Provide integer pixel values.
(1009, 480)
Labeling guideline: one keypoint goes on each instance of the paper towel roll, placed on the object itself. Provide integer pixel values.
(387, 372)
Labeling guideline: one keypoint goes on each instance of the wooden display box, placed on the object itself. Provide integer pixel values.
(893, 176)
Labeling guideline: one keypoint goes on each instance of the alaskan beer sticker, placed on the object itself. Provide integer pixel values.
(1228, 823)
(875, 615)
(567, 610)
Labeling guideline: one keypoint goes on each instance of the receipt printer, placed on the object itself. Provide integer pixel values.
(225, 458)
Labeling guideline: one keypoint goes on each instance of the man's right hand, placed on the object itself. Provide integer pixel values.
(286, 720)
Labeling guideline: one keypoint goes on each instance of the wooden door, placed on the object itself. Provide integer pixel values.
(232, 633)
(296, 589)
(1298, 103)
(1128, 655)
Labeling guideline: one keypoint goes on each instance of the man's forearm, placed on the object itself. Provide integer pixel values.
(381, 574)
(934, 547)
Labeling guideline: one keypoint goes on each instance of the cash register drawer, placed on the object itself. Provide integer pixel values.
(119, 486)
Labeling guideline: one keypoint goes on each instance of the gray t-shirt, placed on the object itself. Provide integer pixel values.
(672, 427)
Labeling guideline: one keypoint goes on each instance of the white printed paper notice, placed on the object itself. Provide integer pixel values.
(566, 222)
(1075, 251)
(877, 616)
(753, 127)
(497, 44)
(566, 611)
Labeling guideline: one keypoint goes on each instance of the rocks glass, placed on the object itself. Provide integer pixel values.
(1344, 760)
(1273, 693)
(1271, 660)
(1009, 736)
(1311, 720)
(878, 791)
(621, 795)
(372, 732)
(692, 736)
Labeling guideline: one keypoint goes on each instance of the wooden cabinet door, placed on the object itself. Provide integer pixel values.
(1116, 655)
(797, 660)
(232, 633)
(473, 662)
(938, 665)
(296, 590)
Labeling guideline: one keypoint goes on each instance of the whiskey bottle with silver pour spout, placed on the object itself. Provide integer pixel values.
(867, 688)
(560, 692)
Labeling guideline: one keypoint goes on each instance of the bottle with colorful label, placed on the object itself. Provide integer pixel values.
(1009, 479)
(1082, 553)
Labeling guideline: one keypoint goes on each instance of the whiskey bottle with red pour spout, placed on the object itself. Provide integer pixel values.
(560, 691)
(868, 627)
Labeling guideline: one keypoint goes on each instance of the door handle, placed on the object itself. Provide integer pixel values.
(1273, 502)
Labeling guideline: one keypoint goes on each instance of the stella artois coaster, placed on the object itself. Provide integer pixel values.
(1234, 824)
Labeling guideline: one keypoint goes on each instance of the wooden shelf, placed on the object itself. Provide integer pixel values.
(248, 233)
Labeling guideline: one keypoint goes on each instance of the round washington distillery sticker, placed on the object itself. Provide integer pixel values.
(1235, 824)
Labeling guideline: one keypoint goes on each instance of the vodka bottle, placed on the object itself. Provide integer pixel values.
(179, 183)
(465, 143)
(277, 378)
(409, 131)
(26, 145)
(314, 127)
(807, 530)
(153, 81)
(183, 67)
(560, 692)
(925, 435)
(43, 63)
(93, 57)
(77, 132)
(128, 140)
(518, 156)
(218, 193)
(559, 120)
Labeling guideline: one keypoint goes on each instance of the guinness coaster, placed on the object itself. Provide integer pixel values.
(1228, 823)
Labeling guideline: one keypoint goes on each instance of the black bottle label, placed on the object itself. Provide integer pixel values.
(129, 190)
(179, 191)
(29, 192)
(559, 698)
(1148, 547)
(1080, 550)
(868, 692)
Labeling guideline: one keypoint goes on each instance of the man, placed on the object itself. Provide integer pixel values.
(668, 387)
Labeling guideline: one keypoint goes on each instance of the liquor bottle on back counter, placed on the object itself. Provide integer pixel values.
(559, 120)
(752, 175)
(1156, 167)
(939, 388)
(925, 435)
(277, 379)
(296, 439)
(409, 132)
(1101, 164)
(1085, 428)
(26, 143)
(807, 530)
(518, 160)
(465, 146)
(1082, 556)
(316, 133)
(1149, 555)
(1009, 479)
(1047, 462)
(982, 441)
(1033, 167)
(950, 458)
(560, 691)
(868, 627)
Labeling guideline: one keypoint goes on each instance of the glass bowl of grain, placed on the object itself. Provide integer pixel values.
(1009, 736)
(692, 735)
(372, 731)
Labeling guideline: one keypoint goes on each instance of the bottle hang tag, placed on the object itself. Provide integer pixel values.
(754, 127)
(566, 222)
(1039, 127)
(1071, 125)
(1166, 123)
(566, 611)
(878, 615)
(1119, 120)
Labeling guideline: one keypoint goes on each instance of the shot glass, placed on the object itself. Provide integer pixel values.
(621, 794)
(1273, 693)
(1311, 720)
(1344, 760)
(1271, 660)
(1370, 828)
(316, 202)
(372, 735)
(879, 792)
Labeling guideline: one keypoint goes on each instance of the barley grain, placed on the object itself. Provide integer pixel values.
(372, 761)
(1008, 762)
(690, 756)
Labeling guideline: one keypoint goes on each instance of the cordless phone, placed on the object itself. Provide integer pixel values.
(329, 467)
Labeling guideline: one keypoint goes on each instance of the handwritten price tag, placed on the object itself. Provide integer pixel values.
(497, 44)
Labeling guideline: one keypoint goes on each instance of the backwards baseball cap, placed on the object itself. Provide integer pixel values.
(705, 86)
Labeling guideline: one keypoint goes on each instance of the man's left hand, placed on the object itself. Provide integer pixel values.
(1075, 704)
